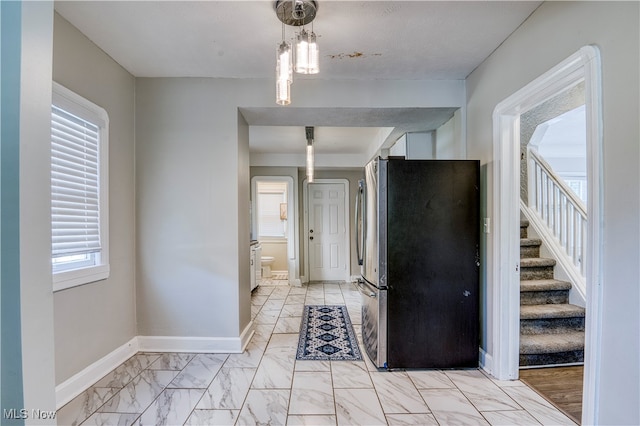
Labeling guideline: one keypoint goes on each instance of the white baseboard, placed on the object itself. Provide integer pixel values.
(246, 335)
(486, 362)
(79, 382)
(190, 344)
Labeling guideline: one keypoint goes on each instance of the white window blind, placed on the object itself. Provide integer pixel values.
(271, 195)
(75, 206)
(269, 222)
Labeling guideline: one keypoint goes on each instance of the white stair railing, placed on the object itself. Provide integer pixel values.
(559, 208)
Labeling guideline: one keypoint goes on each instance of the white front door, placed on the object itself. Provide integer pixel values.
(327, 232)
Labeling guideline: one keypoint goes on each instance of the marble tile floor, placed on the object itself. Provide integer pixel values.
(266, 385)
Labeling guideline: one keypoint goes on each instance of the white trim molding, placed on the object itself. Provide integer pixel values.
(293, 227)
(486, 361)
(584, 65)
(192, 344)
(505, 268)
(82, 380)
(75, 104)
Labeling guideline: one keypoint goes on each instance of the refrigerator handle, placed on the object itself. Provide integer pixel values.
(359, 222)
(363, 290)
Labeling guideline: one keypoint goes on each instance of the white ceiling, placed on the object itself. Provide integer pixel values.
(238, 39)
(337, 130)
(564, 136)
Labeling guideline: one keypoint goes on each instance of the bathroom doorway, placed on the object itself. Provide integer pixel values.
(274, 226)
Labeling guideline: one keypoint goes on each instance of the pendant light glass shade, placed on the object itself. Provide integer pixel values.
(310, 161)
(314, 55)
(307, 53)
(284, 74)
(283, 92)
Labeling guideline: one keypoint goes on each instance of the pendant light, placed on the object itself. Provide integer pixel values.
(307, 53)
(310, 159)
(284, 72)
(284, 76)
(295, 13)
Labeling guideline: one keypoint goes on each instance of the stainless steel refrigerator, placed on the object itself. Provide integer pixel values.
(417, 232)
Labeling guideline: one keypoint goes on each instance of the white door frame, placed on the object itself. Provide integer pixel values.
(293, 227)
(503, 271)
(347, 224)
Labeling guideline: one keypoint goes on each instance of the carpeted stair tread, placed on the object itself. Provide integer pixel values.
(544, 285)
(536, 262)
(528, 242)
(551, 329)
(552, 343)
(563, 310)
(529, 247)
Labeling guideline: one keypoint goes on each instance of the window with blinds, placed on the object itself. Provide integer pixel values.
(271, 196)
(79, 135)
(75, 212)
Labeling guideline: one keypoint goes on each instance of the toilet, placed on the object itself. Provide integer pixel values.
(266, 262)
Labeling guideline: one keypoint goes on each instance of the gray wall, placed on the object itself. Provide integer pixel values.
(94, 319)
(193, 191)
(552, 33)
(193, 195)
(243, 231)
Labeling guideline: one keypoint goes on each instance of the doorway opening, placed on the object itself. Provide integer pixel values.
(504, 271)
(273, 226)
(326, 230)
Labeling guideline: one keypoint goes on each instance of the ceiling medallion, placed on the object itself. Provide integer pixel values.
(296, 13)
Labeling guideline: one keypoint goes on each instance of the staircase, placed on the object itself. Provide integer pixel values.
(551, 329)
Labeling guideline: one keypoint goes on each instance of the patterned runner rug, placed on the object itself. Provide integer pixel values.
(326, 334)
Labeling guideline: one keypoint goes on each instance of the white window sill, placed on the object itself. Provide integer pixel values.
(78, 277)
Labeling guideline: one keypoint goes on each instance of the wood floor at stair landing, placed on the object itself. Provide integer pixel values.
(561, 386)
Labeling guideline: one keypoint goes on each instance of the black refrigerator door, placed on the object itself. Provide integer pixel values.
(433, 268)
